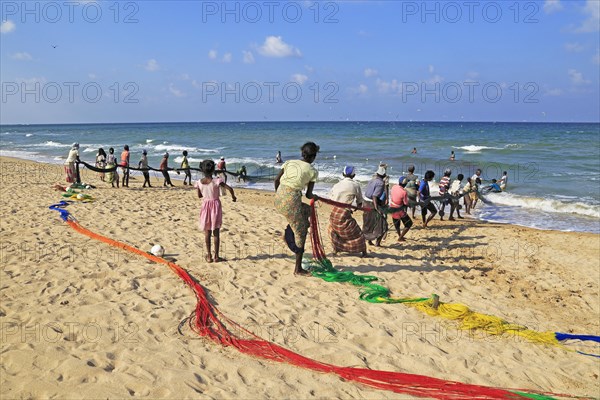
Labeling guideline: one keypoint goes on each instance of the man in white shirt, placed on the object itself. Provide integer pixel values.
(347, 190)
(344, 231)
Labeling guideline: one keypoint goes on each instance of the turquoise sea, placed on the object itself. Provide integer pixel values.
(553, 168)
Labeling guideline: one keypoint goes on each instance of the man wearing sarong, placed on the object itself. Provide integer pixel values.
(344, 231)
(295, 175)
(374, 222)
(70, 170)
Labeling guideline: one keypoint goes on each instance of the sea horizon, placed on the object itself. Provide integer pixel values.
(298, 121)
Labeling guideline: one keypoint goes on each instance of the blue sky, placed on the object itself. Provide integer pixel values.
(134, 61)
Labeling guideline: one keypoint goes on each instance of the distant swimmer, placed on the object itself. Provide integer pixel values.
(414, 150)
(452, 156)
(278, 159)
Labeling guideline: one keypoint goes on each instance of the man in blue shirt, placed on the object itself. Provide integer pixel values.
(374, 221)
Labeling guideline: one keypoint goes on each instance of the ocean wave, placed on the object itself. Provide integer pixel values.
(178, 147)
(149, 140)
(27, 155)
(29, 135)
(477, 149)
(50, 143)
(547, 205)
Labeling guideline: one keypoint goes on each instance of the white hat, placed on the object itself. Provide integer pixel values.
(75, 145)
(381, 171)
(222, 158)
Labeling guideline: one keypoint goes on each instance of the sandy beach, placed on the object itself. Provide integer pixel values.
(81, 319)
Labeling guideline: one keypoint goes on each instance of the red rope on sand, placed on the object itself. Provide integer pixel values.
(205, 321)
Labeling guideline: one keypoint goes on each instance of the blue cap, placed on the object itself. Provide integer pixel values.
(402, 180)
(348, 170)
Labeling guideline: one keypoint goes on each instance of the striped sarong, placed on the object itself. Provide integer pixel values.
(345, 233)
(70, 172)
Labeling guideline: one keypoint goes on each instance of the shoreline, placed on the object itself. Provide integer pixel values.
(179, 178)
(83, 319)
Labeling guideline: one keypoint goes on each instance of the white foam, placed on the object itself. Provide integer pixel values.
(476, 149)
(29, 135)
(149, 140)
(174, 147)
(27, 155)
(547, 205)
(50, 143)
(179, 159)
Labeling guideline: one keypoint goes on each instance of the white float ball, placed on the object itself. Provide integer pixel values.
(157, 250)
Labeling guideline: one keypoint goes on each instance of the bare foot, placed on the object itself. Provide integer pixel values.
(220, 259)
(301, 273)
(459, 217)
(209, 259)
(401, 240)
(451, 219)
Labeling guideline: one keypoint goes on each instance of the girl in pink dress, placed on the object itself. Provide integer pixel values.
(211, 214)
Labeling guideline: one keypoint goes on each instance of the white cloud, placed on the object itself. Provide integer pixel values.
(248, 57)
(472, 75)
(24, 56)
(274, 46)
(299, 78)
(577, 77)
(175, 92)
(435, 79)
(369, 72)
(152, 65)
(227, 57)
(362, 89)
(385, 86)
(431, 69)
(592, 23)
(551, 6)
(92, 76)
(7, 26)
(574, 47)
(596, 58)
(212, 54)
